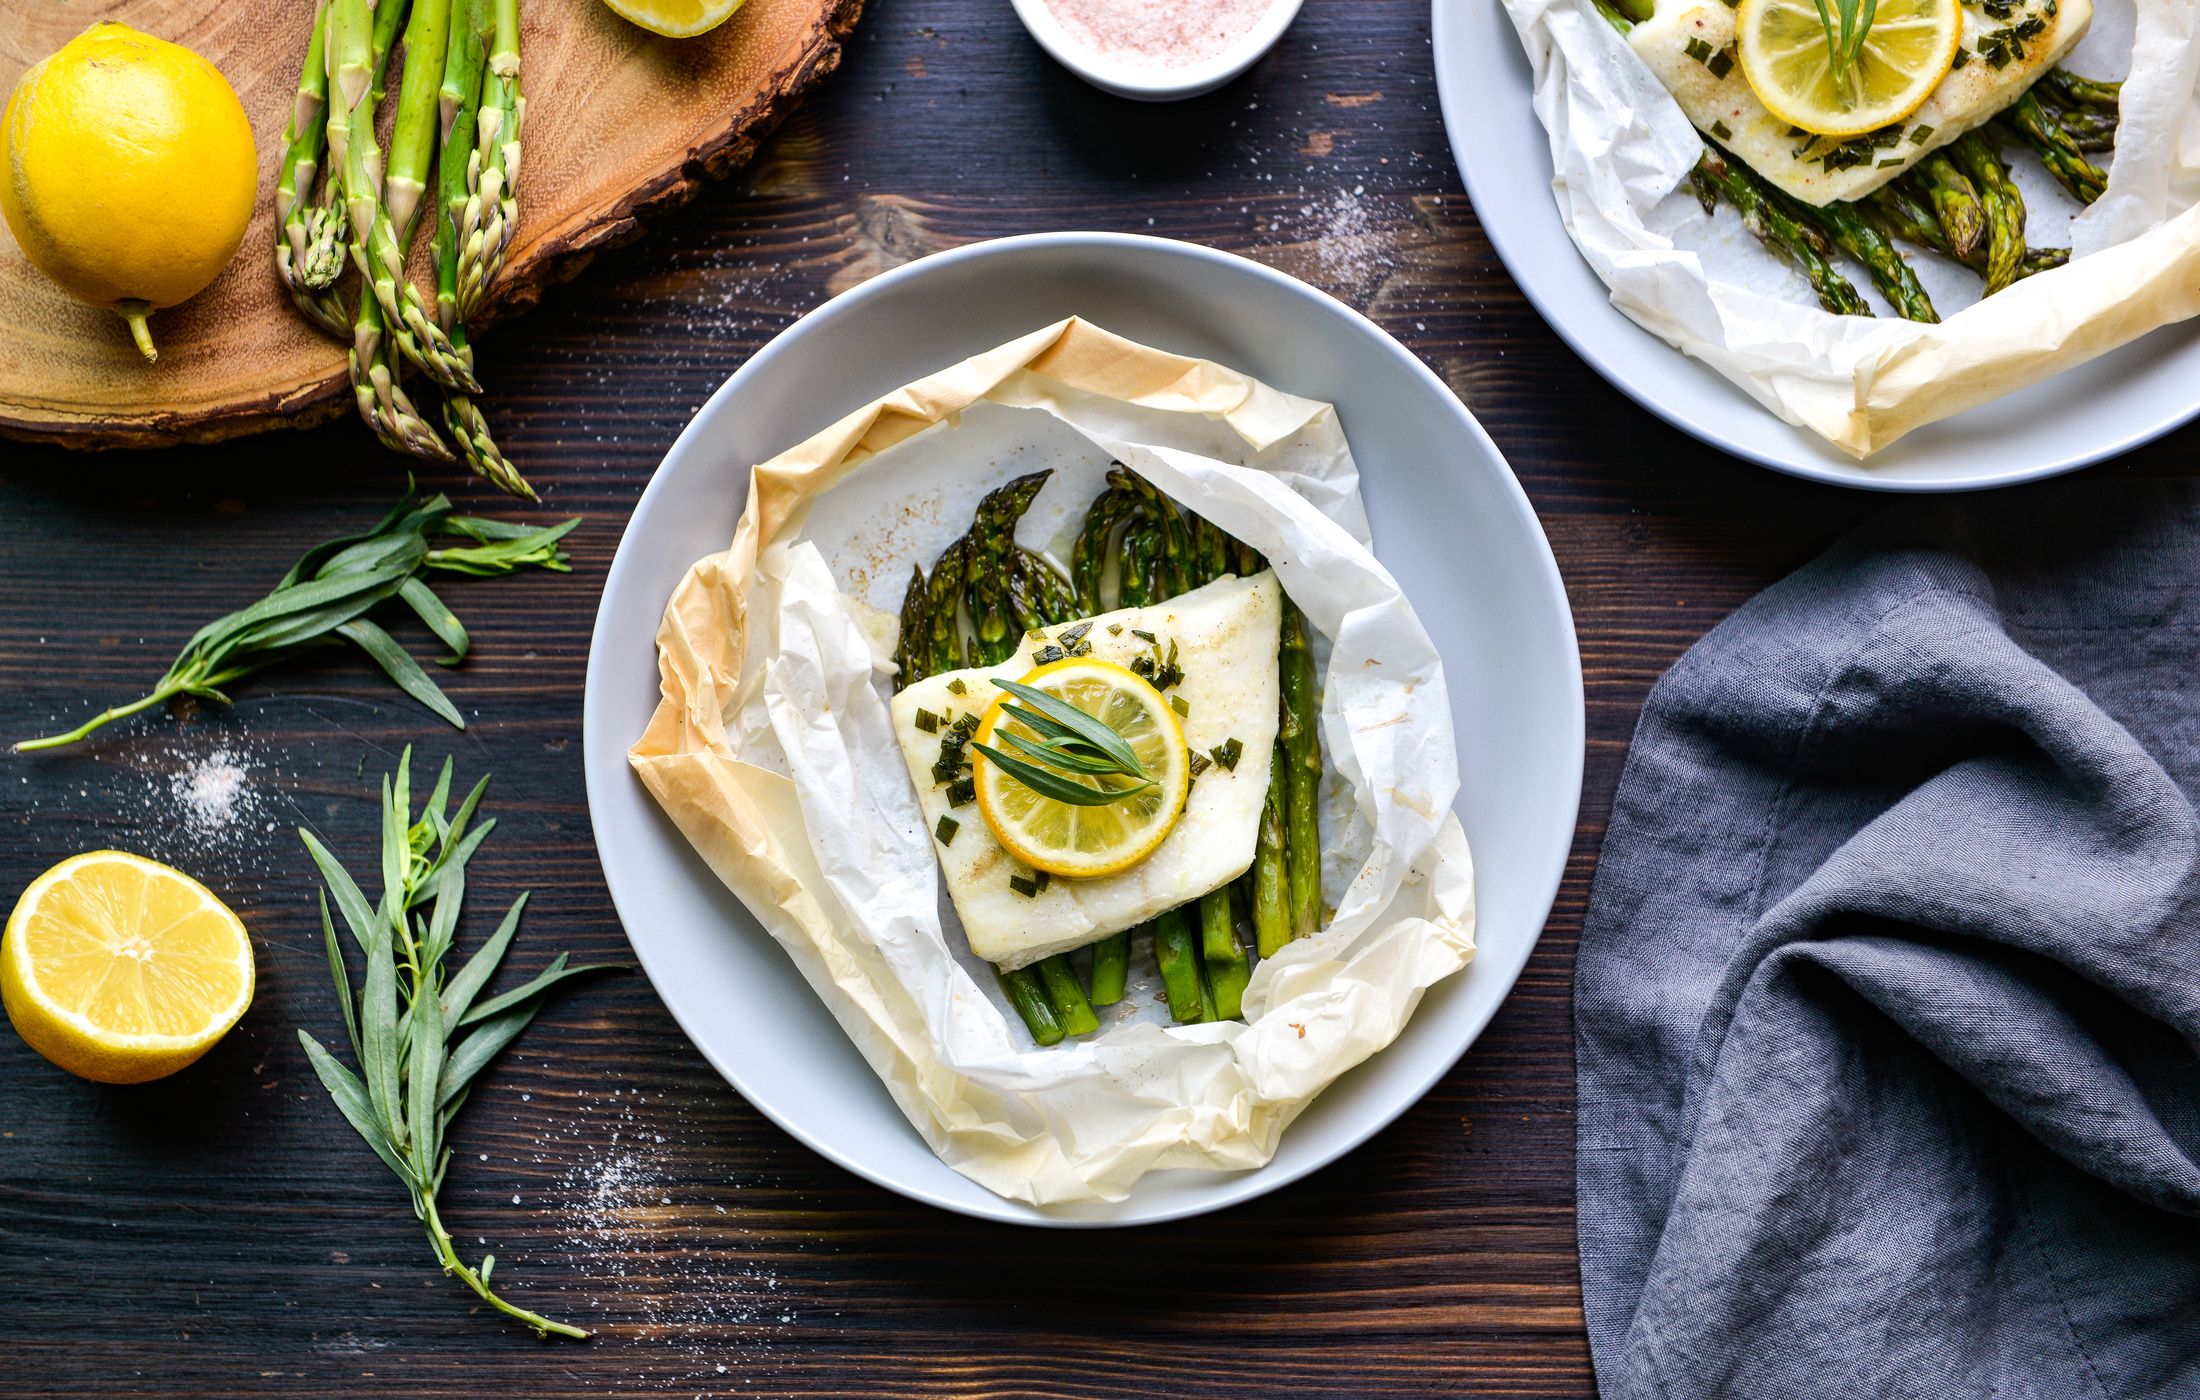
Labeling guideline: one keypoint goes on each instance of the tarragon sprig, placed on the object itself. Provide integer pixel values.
(415, 1069)
(1070, 741)
(1847, 23)
(328, 597)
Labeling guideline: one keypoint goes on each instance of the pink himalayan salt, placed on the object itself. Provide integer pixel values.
(1159, 33)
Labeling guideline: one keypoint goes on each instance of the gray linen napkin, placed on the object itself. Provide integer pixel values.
(1889, 992)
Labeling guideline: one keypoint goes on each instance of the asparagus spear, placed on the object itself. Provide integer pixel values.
(2004, 208)
(943, 602)
(1176, 953)
(2075, 91)
(1956, 204)
(381, 398)
(2030, 121)
(1847, 229)
(1088, 558)
(1228, 969)
(2041, 260)
(298, 183)
(492, 204)
(459, 99)
(913, 653)
(1111, 968)
(1269, 893)
(1070, 1005)
(1030, 1000)
(1714, 178)
(1299, 747)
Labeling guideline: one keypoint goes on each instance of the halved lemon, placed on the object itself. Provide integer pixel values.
(120, 969)
(675, 19)
(1909, 48)
(1064, 838)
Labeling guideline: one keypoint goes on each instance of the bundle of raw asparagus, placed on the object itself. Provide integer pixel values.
(338, 202)
(1152, 551)
(1959, 202)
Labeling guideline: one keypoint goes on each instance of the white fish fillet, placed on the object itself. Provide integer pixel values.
(1226, 635)
(1726, 108)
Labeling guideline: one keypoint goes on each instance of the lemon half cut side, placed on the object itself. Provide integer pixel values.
(120, 969)
(1909, 48)
(1083, 842)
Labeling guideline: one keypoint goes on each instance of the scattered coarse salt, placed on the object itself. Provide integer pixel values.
(213, 792)
(1159, 33)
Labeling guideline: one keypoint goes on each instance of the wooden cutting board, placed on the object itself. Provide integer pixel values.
(621, 124)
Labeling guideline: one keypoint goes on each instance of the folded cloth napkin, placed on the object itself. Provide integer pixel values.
(1889, 992)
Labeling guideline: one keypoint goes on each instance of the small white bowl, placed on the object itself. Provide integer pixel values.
(1146, 83)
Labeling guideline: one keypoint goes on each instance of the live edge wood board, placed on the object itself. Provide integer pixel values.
(621, 124)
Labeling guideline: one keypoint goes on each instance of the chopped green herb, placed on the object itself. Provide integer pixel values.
(1722, 63)
(957, 687)
(1182, 706)
(1920, 134)
(1170, 673)
(1200, 764)
(1144, 635)
(1028, 888)
(946, 829)
(1227, 753)
(1962, 57)
(1699, 50)
(1040, 878)
(1722, 131)
(1894, 164)
(1142, 667)
(928, 722)
(1115, 629)
(1071, 634)
(1047, 655)
(962, 790)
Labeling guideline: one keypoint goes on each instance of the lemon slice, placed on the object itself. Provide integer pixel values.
(675, 19)
(1909, 48)
(120, 969)
(1064, 838)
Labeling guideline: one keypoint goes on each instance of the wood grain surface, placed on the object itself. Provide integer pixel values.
(223, 1234)
(635, 125)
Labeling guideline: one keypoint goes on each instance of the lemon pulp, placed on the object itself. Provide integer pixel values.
(1064, 838)
(1909, 48)
(120, 969)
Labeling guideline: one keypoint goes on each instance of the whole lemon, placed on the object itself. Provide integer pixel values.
(130, 171)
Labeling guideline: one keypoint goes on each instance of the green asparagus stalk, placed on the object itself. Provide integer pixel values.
(2032, 123)
(1176, 954)
(1030, 1000)
(2004, 208)
(492, 205)
(913, 651)
(943, 602)
(375, 383)
(2041, 260)
(464, 61)
(1228, 969)
(298, 183)
(383, 220)
(1715, 178)
(1956, 205)
(2093, 130)
(1300, 750)
(1089, 556)
(1269, 892)
(1847, 229)
(1111, 966)
(1070, 1005)
(2074, 91)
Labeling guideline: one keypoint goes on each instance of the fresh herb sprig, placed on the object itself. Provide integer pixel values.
(1070, 742)
(405, 1025)
(1847, 24)
(326, 599)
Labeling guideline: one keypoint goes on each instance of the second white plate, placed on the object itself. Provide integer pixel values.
(2085, 415)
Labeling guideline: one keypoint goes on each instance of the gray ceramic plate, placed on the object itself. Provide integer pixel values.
(1449, 520)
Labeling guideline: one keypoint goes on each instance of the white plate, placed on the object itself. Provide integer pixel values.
(1449, 520)
(2111, 405)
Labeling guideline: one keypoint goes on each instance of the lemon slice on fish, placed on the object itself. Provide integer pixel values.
(1788, 58)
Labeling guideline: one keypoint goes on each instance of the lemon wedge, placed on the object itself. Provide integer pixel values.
(1909, 48)
(1064, 838)
(122, 970)
(675, 19)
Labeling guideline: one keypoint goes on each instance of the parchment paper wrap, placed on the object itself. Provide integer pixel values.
(771, 749)
(1622, 148)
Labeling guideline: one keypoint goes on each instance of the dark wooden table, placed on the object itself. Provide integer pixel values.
(222, 1233)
